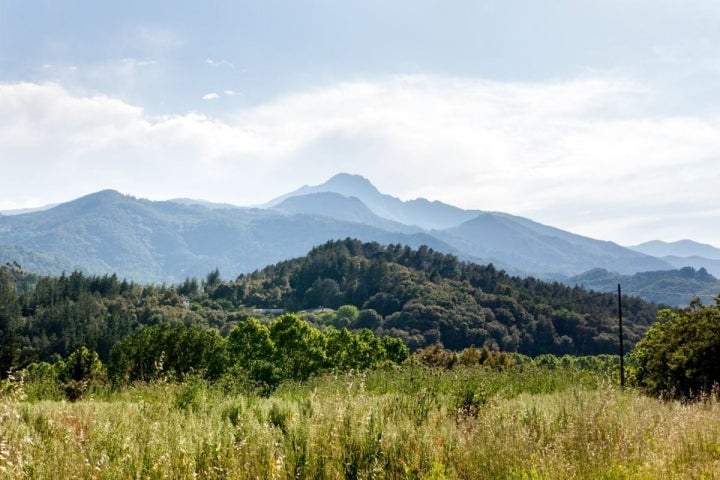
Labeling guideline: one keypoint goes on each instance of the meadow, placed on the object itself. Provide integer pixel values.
(409, 422)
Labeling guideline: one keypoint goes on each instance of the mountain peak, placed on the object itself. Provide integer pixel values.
(107, 195)
(348, 182)
(417, 213)
(345, 184)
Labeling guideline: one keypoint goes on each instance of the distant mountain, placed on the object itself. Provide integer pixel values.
(22, 211)
(147, 241)
(709, 264)
(673, 287)
(421, 212)
(510, 242)
(537, 248)
(202, 203)
(681, 248)
(142, 240)
(684, 253)
(340, 207)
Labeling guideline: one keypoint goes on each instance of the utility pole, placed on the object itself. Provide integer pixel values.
(622, 348)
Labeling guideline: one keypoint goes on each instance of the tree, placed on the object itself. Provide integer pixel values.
(299, 348)
(395, 349)
(251, 348)
(323, 293)
(212, 280)
(345, 315)
(80, 371)
(367, 319)
(9, 317)
(678, 357)
(156, 352)
(190, 287)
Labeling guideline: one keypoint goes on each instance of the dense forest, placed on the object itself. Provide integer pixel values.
(425, 297)
(670, 287)
(417, 295)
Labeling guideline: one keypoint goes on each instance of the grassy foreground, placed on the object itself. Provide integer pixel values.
(524, 423)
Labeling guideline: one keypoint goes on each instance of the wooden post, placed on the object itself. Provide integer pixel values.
(622, 347)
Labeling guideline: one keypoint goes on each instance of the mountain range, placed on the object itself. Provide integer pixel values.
(167, 241)
(684, 253)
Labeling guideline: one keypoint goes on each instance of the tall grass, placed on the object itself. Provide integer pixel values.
(525, 423)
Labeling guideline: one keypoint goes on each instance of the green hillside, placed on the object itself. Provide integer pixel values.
(424, 297)
(418, 295)
(670, 287)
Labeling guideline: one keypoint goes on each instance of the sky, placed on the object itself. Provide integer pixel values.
(598, 117)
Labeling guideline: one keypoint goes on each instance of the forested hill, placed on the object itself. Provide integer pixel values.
(420, 296)
(424, 297)
(676, 288)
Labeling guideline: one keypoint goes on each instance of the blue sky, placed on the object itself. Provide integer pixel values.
(598, 117)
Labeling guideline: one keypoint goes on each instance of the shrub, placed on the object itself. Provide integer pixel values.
(678, 357)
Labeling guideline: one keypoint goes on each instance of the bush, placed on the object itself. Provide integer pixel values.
(678, 357)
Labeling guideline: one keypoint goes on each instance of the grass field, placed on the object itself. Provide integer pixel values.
(522, 423)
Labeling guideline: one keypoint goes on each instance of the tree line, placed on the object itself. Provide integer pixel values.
(420, 296)
(360, 305)
(425, 297)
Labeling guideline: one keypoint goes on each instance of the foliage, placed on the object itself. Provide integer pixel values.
(288, 349)
(168, 352)
(425, 297)
(420, 297)
(525, 422)
(678, 357)
(9, 322)
(674, 288)
(80, 372)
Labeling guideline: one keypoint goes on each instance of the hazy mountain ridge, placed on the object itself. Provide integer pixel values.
(681, 248)
(709, 264)
(340, 207)
(515, 243)
(202, 203)
(151, 241)
(671, 287)
(539, 248)
(420, 212)
(684, 253)
(22, 211)
(144, 240)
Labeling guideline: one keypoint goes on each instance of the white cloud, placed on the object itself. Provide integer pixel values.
(218, 63)
(570, 154)
(231, 93)
(145, 62)
(211, 96)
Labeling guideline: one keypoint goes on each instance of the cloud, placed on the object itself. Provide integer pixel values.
(231, 93)
(211, 96)
(139, 62)
(578, 155)
(218, 63)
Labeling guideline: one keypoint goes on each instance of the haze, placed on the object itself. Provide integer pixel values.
(594, 117)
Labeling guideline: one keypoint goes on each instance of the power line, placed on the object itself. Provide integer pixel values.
(581, 300)
(674, 294)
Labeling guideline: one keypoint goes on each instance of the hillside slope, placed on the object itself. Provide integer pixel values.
(676, 288)
(537, 248)
(423, 297)
(149, 241)
(107, 232)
